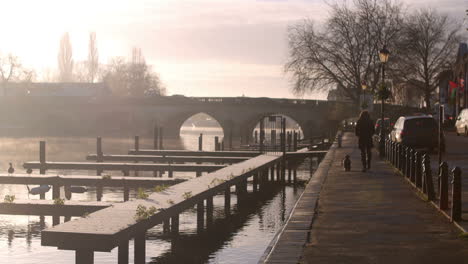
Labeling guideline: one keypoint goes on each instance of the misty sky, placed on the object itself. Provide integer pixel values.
(199, 47)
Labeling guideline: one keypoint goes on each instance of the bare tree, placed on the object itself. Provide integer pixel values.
(429, 43)
(134, 78)
(65, 60)
(93, 58)
(345, 51)
(11, 70)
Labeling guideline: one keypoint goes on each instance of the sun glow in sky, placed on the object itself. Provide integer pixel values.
(199, 47)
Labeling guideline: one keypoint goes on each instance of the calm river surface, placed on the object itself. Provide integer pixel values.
(241, 239)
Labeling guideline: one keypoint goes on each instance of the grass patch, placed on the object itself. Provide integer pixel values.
(58, 201)
(9, 198)
(161, 188)
(106, 177)
(143, 213)
(141, 194)
(171, 202)
(187, 195)
(463, 235)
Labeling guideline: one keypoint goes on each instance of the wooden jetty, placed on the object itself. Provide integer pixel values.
(157, 152)
(124, 167)
(166, 159)
(47, 207)
(115, 226)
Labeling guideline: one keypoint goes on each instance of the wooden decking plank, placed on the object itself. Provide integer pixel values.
(47, 207)
(167, 159)
(114, 181)
(194, 153)
(121, 166)
(111, 225)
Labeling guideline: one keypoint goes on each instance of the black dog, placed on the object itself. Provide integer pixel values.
(347, 163)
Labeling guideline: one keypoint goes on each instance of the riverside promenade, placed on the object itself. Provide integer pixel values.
(366, 217)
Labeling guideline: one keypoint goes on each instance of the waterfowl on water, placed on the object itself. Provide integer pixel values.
(11, 170)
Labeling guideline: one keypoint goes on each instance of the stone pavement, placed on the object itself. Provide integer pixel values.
(376, 217)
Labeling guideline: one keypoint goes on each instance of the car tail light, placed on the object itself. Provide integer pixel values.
(377, 125)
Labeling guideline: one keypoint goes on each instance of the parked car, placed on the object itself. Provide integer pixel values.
(417, 132)
(461, 124)
(387, 125)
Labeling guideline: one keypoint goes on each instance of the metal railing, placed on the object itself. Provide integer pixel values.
(415, 165)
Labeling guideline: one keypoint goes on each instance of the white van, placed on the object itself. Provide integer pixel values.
(461, 125)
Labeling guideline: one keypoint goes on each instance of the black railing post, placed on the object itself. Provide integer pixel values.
(443, 186)
(456, 195)
(412, 164)
(418, 169)
(408, 163)
(428, 183)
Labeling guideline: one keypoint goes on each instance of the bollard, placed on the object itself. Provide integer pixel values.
(428, 185)
(216, 143)
(256, 137)
(443, 186)
(456, 195)
(137, 148)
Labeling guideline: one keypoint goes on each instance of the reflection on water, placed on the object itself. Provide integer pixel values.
(241, 237)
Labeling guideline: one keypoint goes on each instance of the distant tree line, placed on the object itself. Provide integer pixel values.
(124, 77)
(344, 50)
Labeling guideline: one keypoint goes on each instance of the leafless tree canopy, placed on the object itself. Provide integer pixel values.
(11, 70)
(65, 60)
(345, 51)
(93, 58)
(429, 42)
(134, 78)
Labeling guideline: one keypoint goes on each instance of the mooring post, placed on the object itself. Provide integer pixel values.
(272, 172)
(42, 157)
(99, 154)
(289, 141)
(137, 148)
(456, 195)
(166, 226)
(161, 130)
(222, 145)
(230, 138)
(55, 220)
(155, 137)
(140, 248)
(68, 193)
(126, 193)
(99, 192)
(200, 142)
(200, 216)
(273, 138)
(84, 256)
(227, 201)
(443, 185)
(256, 137)
(295, 141)
(123, 252)
(295, 175)
(216, 143)
(289, 171)
(255, 182)
(209, 212)
(175, 224)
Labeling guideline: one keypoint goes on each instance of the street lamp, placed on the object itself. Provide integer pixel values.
(383, 55)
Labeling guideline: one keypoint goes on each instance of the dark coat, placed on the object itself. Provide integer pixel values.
(365, 130)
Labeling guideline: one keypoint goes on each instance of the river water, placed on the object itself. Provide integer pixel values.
(242, 238)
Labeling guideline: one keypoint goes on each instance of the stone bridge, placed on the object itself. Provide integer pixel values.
(138, 116)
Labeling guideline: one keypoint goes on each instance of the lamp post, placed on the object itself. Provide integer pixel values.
(383, 55)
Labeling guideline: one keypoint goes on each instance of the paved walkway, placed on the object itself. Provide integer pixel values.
(376, 217)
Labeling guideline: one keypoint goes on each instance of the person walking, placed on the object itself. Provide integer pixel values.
(364, 131)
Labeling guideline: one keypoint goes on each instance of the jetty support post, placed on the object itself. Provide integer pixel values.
(200, 216)
(126, 193)
(227, 201)
(200, 142)
(175, 224)
(140, 248)
(137, 148)
(84, 256)
(209, 212)
(42, 157)
(166, 226)
(123, 252)
(99, 154)
(255, 181)
(161, 130)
